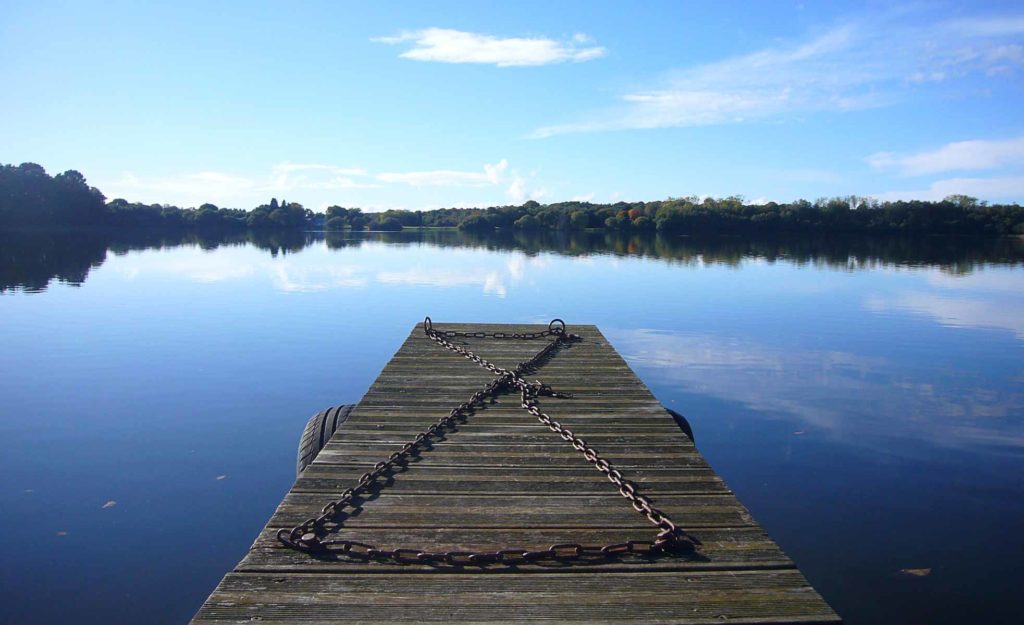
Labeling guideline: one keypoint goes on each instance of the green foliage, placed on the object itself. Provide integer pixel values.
(30, 197)
(356, 219)
(643, 223)
(406, 218)
(963, 201)
(476, 223)
(337, 211)
(579, 219)
(284, 215)
(527, 222)
(388, 224)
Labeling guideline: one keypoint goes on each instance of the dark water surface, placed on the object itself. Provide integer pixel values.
(864, 398)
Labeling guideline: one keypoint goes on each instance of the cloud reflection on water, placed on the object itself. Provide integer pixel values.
(311, 273)
(859, 399)
(988, 298)
(958, 312)
(492, 281)
(313, 279)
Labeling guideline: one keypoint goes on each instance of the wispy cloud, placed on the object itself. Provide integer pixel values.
(958, 156)
(1009, 188)
(518, 190)
(491, 174)
(192, 189)
(857, 65)
(445, 45)
(287, 167)
(292, 176)
(517, 187)
(989, 26)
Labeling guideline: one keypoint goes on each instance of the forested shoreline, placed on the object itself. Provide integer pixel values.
(31, 198)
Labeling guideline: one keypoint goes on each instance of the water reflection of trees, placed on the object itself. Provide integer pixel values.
(953, 254)
(31, 261)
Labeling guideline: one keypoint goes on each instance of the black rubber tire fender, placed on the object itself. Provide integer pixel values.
(317, 432)
(683, 424)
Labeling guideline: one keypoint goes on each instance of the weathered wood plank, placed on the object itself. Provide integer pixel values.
(603, 511)
(501, 479)
(635, 598)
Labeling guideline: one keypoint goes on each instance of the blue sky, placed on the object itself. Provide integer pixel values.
(404, 105)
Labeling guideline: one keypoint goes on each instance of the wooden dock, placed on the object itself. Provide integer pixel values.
(501, 480)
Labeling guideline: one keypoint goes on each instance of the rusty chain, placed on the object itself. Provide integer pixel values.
(309, 536)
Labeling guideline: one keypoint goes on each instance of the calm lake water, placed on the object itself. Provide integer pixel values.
(864, 398)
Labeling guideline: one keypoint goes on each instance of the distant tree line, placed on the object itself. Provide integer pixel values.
(957, 214)
(29, 197)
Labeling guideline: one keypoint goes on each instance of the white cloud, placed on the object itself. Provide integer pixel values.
(287, 167)
(194, 188)
(291, 176)
(957, 156)
(989, 26)
(497, 174)
(1007, 188)
(446, 45)
(517, 190)
(491, 175)
(858, 65)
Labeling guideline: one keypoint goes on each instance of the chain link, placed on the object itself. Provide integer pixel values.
(311, 535)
